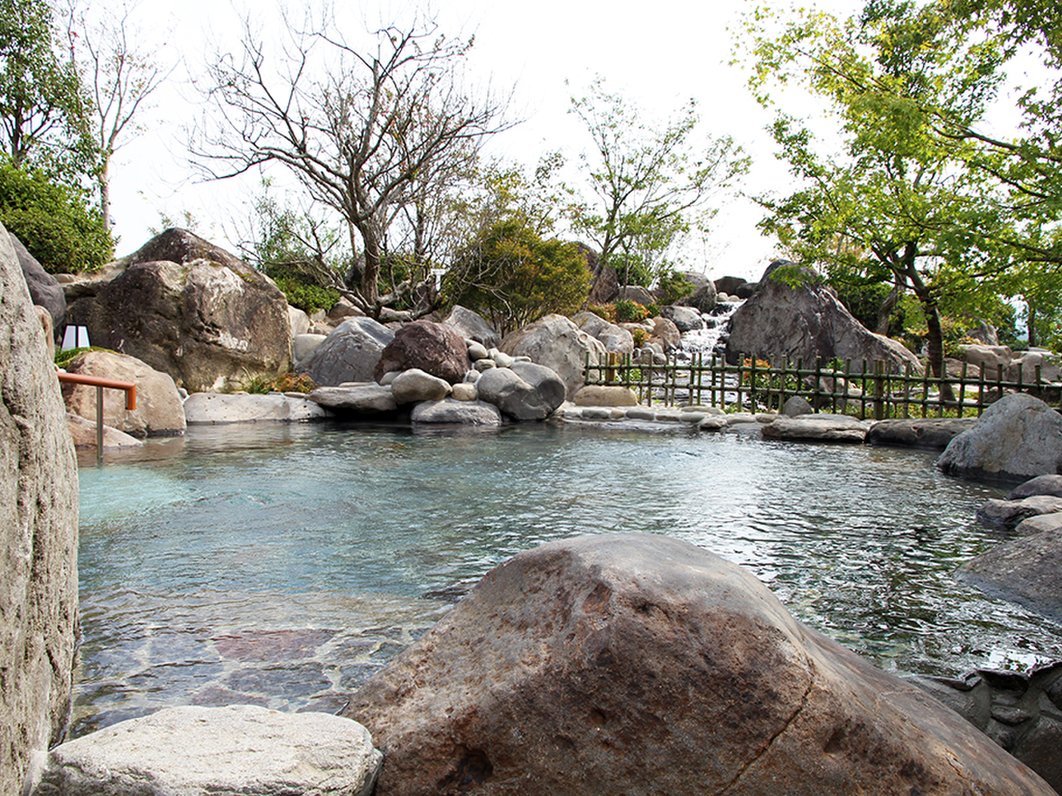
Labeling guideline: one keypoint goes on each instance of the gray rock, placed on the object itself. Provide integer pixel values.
(604, 395)
(510, 391)
(369, 398)
(472, 326)
(730, 284)
(1017, 437)
(471, 377)
(414, 385)
(934, 432)
(636, 293)
(212, 408)
(615, 339)
(560, 345)
(1026, 570)
(984, 333)
(713, 423)
(1009, 513)
(83, 433)
(816, 428)
(501, 359)
(44, 290)
(797, 405)
(465, 392)
(1039, 524)
(482, 365)
(1032, 363)
(350, 353)
(687, 319)
(452, 410)
(1041, 485)
(565, 664)
(666, 334)
(476, 351)
(302, 346)
(38, 536)
(703, 298)
(298, 321)
(240, 749)
(993, 360)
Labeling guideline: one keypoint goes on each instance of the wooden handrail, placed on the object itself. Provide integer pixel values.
(99, 381)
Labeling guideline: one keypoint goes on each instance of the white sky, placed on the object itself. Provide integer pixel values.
(657, 54)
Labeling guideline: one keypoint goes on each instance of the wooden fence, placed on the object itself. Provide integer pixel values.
(868, 389)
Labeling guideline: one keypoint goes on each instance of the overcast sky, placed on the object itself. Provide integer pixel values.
(657, 54)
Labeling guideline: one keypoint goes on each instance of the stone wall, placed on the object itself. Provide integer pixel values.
(38, 536)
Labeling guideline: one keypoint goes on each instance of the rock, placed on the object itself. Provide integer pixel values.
(204, 322)
(1017, 437)
(1025, 367)
(604, 284)
(729, 284)
(560, 345)
(817, 428)
(501, 359)
(746, 291)
(993, 360)
(303, 345)
(636, 293)
(471, 325)
(703, 299)
(615, 339)
(686, 319)
(452, 410)
(523, 392)
(1026, 570)
(984, 333)
(212, 408)
(1009, 513)
(83, 433)
(414, 385)
(350, 353)
(482, 365)
(1041, 485)
(476, 351)
(807, 323)
(796, 405)
(298, 321)
(464, 392)
(38, 536)
(434, 348)
(45, 319)
(666, 333)
(602, 395)
(158, 405)
(230, 750)
(369, 398)
(44, 290)
(178, 245)
(1014, 709)
(342, 310)
(1039, 524)
(931, 432)
(643, 664)
(713, 423)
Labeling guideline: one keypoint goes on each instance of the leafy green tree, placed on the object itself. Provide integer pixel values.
(650, 186)
(512, 276)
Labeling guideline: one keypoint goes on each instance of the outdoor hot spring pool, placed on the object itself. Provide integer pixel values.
(283, 565)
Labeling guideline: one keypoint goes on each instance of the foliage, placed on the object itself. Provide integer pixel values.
(287, 382)
(307, 296)
(65, 357)
(672, 287)
(512, 277)
(628, 311)
(641, 337)
(606, 311)
(53, 221)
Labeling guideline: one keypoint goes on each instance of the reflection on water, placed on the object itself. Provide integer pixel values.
(284, 565)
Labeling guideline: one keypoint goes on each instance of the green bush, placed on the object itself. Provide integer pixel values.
(606, 311)
(305, 295)
(672, 287)
(628, 311)
(54, 222)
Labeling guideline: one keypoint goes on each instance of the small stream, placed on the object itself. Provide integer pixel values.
(284, 565)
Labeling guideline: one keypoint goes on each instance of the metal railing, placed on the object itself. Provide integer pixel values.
(102, 384)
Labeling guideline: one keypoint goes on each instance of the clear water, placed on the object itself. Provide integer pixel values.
(283, 565)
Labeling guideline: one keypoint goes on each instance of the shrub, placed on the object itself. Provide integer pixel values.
(673, 287)
(54, 222)
(628, 311)
(606, 311)
(304, 294)
(640, 337)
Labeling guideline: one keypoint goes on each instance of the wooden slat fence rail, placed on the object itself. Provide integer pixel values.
(864, 389)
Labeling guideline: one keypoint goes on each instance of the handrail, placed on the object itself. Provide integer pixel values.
(100, 384)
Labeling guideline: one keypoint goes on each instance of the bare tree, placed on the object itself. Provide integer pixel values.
(118, 79)
(365, 133)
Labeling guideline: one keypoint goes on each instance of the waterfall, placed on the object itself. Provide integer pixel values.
(714, 336)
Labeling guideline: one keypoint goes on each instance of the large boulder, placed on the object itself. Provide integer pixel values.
(615, 339)
(929, 432)
(204, 321)
(604, 283)
(1018, 436)
(636, 293)
(560, 345)
(214, 408)
(1033, 364)
(38, 536)
(178, 245)
(356, 399)
(703, 298)
(414, 385)
(1041, 485)
(817, 428)
(807, 322)
(435, 348)
(993, 360)
(730, 284)
(524, 392)
(158, 412)
(666, 334)
(44, 290)
(229, 750)
(1026, 570)
(472, 326)
(687, 319)
(349, 353)
(1009, 514)
(643, 664)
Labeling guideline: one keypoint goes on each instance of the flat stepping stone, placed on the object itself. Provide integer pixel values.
(231, 750)
(214, 408)
(356, 398)
(817, 428)
(1008, 513)
(933, 433)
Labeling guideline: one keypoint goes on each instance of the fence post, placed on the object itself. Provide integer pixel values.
(879, 370)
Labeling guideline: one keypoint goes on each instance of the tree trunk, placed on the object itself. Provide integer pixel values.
(105, 193)
(885, 310)
(370, 275)
(1034, 340)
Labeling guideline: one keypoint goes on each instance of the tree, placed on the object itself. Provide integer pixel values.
(118, 78)
(513, 277)
(366, 133)
(41, 104)
(900, 199)
(650, 185)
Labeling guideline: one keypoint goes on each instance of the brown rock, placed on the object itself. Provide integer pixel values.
(158, 404)
(666, 333)
(642, 664)
(83, 433)
(177, 245)
(38, 536)
(435, 348)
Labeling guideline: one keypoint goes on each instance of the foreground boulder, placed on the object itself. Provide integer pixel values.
(230, 750)
(38, 536)
(643, 664)
(1017, 437)
(808, 323)
(349, 353)
(203, 321)
(158, 404)
(1026, 571)
(560, 345)
(434, 348)
(525, 391)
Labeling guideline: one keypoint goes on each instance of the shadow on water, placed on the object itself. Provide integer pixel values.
(283, 565)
